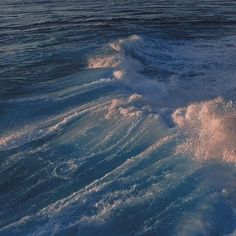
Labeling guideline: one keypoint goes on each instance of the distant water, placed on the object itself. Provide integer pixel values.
(118, 118)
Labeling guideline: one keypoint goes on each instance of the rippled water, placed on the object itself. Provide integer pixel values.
(118, 118)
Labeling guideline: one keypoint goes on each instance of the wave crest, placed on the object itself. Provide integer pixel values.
(103, 62)
(209, 128)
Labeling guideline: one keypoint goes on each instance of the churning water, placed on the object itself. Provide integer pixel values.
(118, 118)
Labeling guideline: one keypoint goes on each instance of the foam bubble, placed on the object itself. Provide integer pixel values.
(209, 128)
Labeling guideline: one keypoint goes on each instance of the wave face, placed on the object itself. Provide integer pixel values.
(118, 118)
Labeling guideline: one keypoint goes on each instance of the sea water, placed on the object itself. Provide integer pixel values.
(118, 118)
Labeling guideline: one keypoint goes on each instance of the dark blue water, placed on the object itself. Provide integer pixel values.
(118, 117)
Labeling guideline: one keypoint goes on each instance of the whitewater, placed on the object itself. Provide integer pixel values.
(118, 118)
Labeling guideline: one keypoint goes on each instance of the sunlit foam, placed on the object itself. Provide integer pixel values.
(124, 107)
(210, 129)
(129, 112)
(4, 141)
(134, 97)
(118, 59)
(118, 74)
(117, 46)
(103, 62)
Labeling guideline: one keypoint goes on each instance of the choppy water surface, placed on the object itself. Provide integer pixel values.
(118, 117)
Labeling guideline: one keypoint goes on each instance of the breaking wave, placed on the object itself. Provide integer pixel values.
(210, 129)
(122, 143)
(208, 126)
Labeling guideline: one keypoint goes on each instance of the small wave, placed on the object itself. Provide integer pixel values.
(42, 129)
(117, 46)
(124, 64)
(209, 128)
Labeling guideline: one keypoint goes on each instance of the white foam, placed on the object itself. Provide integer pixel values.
(129, 112)
(126, 68)
(134, 97)
(124, 107)
(210, 129)
(117, 45)
(103, 62)
(118, 74)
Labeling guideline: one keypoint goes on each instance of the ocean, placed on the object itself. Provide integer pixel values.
(118, 118)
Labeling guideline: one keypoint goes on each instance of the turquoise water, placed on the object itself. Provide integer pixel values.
(118, 118)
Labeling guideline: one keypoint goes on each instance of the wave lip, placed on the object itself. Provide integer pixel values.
(209, 128)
